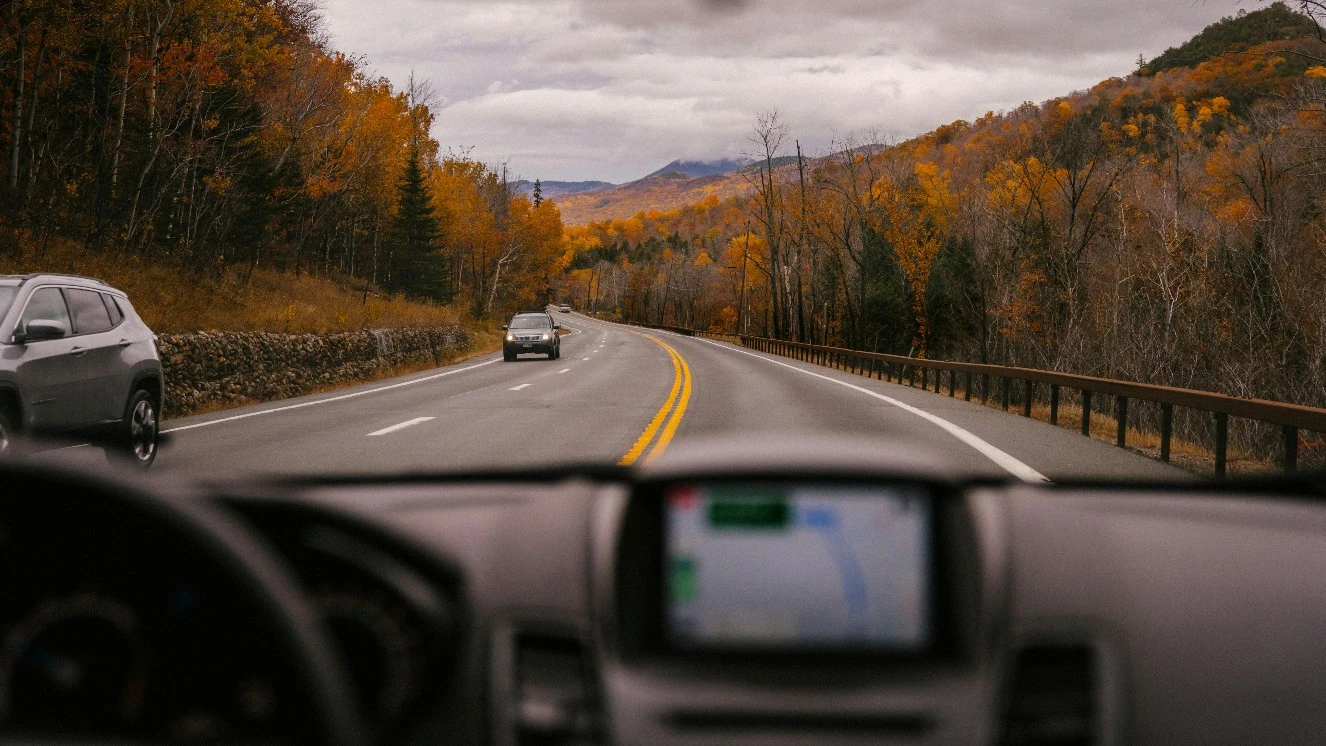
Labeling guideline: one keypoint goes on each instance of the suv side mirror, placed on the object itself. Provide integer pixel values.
(557, 326)
(39, 329)
(504, 327)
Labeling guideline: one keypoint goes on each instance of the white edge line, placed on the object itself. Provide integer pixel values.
(301, 405)
(401, 426)
(1004, 460)
(564, 370)
(521, 386)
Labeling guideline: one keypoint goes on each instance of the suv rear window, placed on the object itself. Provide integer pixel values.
(89, 311)
(114, 308)
(48, 304)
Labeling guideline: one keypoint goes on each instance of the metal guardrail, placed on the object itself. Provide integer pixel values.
(1292, 418)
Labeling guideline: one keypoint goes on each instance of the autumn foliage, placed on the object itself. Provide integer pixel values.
(215, 134)
(1167, 228)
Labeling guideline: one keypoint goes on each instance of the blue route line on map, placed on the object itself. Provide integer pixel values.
(825, 520)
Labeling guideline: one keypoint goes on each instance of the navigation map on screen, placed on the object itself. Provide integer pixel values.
(798, 567)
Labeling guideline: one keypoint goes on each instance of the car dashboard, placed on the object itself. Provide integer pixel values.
(750, 597)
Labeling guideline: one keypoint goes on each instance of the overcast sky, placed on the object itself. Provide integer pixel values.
(614, 89)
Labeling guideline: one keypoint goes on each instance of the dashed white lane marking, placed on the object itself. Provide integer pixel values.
(564, 370)
(401, 426)
(1003, 459)
(301, 405)
(585, 358)
(521, 386)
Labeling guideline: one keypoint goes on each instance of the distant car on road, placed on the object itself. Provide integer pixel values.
(564, 308)
(75, 358)
(531, 332)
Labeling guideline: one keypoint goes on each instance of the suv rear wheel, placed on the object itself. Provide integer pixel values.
(140, 429)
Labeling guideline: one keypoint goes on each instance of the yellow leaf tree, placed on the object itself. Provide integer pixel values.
(915, 217)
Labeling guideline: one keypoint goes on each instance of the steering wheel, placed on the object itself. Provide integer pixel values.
(81, 524)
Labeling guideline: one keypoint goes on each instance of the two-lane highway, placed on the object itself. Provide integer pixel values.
(592, 405)
(618, 394)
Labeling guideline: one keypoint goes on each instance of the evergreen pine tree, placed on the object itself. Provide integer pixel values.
(419, 268)
(538, 193)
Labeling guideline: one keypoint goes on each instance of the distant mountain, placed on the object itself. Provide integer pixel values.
(668, 189)
(696, 169)
(557, 189)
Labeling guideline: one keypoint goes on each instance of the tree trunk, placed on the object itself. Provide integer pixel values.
(16, 129)
(124, 99)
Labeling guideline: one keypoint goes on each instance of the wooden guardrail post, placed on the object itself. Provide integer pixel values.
(1007, 390)
(985, 388)
(1086, 412)
(1291, 448)
(1221, 443)
(966, 390)
(1121, 416)
(1054, 404)
(1028, 390)
(1166, 430)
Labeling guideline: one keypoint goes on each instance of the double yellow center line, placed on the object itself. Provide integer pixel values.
(676, 402)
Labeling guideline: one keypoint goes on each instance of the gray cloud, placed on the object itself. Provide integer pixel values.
(612, 89)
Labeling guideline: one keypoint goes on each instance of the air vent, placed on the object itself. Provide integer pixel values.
(1052, 701)
(555, 691)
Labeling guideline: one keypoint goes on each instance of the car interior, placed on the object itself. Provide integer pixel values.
(840, 592)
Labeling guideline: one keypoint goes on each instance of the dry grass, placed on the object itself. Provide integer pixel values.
(171, 299)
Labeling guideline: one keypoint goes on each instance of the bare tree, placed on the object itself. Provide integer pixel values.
(766, 139)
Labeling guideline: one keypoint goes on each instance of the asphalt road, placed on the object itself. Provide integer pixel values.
(617, 392)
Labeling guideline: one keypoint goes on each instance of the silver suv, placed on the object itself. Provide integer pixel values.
(75, 359)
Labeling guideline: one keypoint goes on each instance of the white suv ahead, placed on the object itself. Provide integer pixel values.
(75, 359)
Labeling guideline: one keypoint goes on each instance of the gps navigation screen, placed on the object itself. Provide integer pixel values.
(792, 567)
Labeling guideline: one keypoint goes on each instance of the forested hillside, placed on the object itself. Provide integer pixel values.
(211, 135)
(667, 190)
(1161, 227)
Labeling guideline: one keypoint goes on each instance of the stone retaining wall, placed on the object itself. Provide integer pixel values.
(204, 369)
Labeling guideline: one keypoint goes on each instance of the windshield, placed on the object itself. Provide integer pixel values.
(530, 322)
(1025, 243)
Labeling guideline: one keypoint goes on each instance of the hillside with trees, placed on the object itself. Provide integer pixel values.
(663, 190)
(1165, 227)
(224, 137)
